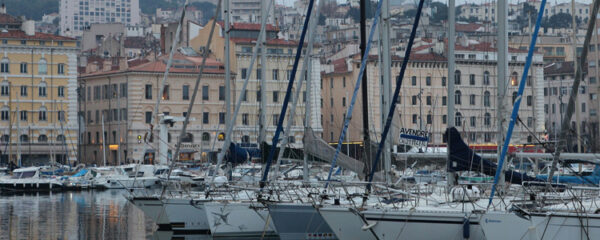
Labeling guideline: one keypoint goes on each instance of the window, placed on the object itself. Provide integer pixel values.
(23, 115)
(529, 81)
(245, 139)
(444, 99)
(4, 114)
(514, 97)
(443, 81)
(275, 96)
(529, 100)
(487, 119)
(457, 97)
(4, 89)
(23, 67)
(331, 102)
(221, 93)
(343, 101)
(592, 80)
(259, 97)
(486, 99)
(43, 138)
(221, 118)
(244, 73)
(414, 80)
(582, 107)
(344, 81)
(245, 96)
(42, 89)
(457, 77)
(444, 119)
(23, 91)
(259, 74)
(148, 117)
(245, 121)
(61, 116)
(4, 65)
(428, 80)
(188, 138)
(331, 83)
(428, 100)
(275, 119)
(458, 119)
(529, 122)
(429, 119)
(185, 92)
(205, 118)
(472, 79)
(205, 92)
(275, 74)
(42, 66)
(486, 78)
(473, 121)
(513, 79)
(123, 90)
(148, 91)
(61, 91)
(414, 118)
(487, 137)
(60, 138)
(414, 100)
(472, 99)
(24, 138)
(165, 93)
(61, 68)
(42, 114)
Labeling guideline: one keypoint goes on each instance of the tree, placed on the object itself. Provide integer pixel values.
(560, 20)
(354, 13)
(322, 19)
(440, 12)
(410, 13)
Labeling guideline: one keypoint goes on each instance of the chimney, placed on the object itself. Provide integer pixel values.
(3, 8)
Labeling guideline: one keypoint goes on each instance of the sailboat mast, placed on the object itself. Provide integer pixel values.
(387, 91)
(263, 86)
(575, 66)
(364, 90)
(9, 123)
(104, 141)
(451, 176)
(227, 64)
(502, 61)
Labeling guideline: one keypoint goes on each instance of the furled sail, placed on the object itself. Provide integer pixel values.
(317, 147)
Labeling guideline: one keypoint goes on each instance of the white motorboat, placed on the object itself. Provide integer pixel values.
(29, 180)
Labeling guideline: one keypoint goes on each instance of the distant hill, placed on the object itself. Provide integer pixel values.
(32, 9)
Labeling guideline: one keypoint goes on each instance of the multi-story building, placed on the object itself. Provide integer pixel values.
(423, 96)
(118, 106)
(593, 60)
(249, 11)
(38, 75)
(554, 48)
(278, 66)
(558, 81)
(77, 15)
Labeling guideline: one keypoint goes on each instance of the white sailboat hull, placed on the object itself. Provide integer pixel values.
(238, 220)
(346, 223)
(178, 215)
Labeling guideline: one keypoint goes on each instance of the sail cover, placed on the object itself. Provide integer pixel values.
(240, 153)
(317, 147)
(462, 158)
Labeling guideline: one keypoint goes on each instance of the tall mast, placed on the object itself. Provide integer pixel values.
(227, 64)
(387, 88)
(262, 124)
(502, 42)
(364, 90)
(9, 122)
(575, 66)
(451, 177)
(104, 141)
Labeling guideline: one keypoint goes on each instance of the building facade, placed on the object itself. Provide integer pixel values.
(119, 105)
(38, 74)
(77, 15)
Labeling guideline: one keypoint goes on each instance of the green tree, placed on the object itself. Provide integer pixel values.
(440, 12)
(561, 20)
(31, 9)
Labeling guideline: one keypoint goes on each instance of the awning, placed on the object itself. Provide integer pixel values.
(150, 151)
(187, 151)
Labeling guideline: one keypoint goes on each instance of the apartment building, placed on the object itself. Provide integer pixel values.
(77, 15)
(118, 107)
(38, 82)
(280, 56)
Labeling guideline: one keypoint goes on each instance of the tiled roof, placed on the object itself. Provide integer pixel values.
(134, 42)
(18, 34)
(275, 41)
(8, 19)
(249, 26)
(340, 66)
(484, 47)
(561, 68)
(469, 27)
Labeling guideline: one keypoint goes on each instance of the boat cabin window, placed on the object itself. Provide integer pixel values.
(24, 174)
(160, 171)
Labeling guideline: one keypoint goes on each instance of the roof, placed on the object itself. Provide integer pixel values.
(249, 26)
(18, 34)
(274, 41)
(134, 42)
(484, 47)
(8, 19)
(469, 27)
(424, 57)
(340, 66)
(560, 68)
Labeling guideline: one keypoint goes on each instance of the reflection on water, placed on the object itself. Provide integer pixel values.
(72, 215)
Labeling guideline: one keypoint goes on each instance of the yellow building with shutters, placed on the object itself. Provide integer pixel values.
(38, 95)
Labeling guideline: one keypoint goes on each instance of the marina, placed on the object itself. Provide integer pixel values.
(279, 125)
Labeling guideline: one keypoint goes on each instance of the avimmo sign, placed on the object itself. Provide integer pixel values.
(414, 137)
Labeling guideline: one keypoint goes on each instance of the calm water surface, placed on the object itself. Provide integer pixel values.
(73, 215)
